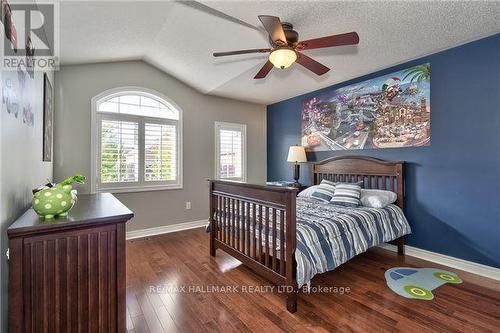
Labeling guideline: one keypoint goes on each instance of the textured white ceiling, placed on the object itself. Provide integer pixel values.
(179, 38)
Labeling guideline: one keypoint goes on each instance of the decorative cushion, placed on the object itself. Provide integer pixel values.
(377, 198)
(325, 191)
(347, 195)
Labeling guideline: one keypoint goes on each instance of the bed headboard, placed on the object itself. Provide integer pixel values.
(375, 173)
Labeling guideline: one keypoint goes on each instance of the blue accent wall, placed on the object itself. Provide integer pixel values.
(452, 186)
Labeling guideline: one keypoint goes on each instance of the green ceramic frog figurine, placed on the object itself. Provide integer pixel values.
(56, 201)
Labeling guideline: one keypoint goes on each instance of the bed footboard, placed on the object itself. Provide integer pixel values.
(256, 225)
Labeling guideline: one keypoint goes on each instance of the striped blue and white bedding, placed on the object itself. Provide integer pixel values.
(329, 235)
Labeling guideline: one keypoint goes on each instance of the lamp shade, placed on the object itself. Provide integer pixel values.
(296, 154)
(282, 57)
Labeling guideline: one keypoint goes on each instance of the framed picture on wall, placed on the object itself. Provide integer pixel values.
(388, 111)
(48, 119)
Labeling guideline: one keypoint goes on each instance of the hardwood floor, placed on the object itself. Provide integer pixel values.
(182, 259)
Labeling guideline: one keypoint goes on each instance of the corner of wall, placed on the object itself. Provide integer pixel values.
(21, 166)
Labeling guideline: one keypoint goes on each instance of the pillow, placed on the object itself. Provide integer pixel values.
(307, 193)
(377, 198)
(347, 195)
(325, 191)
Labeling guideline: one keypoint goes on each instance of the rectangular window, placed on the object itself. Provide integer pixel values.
(137, 154)
(230, 151)
(119, 151)
(160, 152)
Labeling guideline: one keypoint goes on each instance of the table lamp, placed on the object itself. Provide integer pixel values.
(296, 154)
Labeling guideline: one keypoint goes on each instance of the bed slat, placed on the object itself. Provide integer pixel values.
(254, 224)
(217, 216)
(227, 220)
(282, 243)
(247, 229)
(237, 237)
(274, 240)
(233, 223)
(266, 241)
(260, 233)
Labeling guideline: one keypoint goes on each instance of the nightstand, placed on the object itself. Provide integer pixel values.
(286, 183)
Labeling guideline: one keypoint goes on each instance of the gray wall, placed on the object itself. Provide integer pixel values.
(76, 85)
(21, 166)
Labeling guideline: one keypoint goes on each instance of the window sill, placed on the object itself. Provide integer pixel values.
(140, 189)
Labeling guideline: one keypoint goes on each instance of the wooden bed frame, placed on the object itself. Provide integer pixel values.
(235, 233)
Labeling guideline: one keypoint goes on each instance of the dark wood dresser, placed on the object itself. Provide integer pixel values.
(68, 275)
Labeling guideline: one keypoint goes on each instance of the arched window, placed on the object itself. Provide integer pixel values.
(137, 141)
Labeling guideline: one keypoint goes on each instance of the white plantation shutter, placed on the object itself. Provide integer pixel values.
(160, 152)
(230, 151)
(137, 143)
(119, 151)
(230, 162)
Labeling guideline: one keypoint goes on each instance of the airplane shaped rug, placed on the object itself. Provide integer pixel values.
(418, 283)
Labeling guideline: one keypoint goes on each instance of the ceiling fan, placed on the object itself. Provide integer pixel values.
(285, 47)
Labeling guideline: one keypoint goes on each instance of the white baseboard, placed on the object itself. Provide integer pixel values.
(165, 229)
(464, 265)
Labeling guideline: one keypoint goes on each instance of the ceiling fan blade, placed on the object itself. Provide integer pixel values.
(222, 54)
(273, 26)
(264, 70)
(350, 38)
(311, 64)
(197, 5)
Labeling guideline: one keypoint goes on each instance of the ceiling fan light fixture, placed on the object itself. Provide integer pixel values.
(282, 57)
